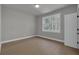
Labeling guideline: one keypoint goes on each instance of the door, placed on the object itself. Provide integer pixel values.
(70, 30)
(0, 28)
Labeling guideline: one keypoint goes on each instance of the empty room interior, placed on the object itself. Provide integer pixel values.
(39, 29)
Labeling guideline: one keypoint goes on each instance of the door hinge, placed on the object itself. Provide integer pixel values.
(77, 16)
(77, 42)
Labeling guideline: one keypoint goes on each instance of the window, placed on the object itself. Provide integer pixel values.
(51, 23)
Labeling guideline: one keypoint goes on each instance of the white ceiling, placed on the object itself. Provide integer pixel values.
(29, 8)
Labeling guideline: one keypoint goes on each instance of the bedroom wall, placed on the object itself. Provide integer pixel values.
(16, 24)
(66, 10)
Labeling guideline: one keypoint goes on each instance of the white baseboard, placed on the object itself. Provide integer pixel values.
(51, 38)
(0, 48)
(30, 37)
(17, 39)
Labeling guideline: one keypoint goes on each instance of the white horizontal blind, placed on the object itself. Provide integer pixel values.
(51, 23)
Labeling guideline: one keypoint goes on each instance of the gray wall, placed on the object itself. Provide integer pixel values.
(62, 11)
(16, 24)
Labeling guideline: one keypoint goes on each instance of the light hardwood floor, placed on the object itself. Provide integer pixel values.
(37, 46)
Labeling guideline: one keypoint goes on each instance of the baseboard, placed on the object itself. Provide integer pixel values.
(51, 38)
(17, 39)
(0, 48)
(30, 37)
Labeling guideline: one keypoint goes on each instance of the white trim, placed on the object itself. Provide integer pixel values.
(51, 38)
(0, 48)
(78, 5)
(30, 37)
(17, 39)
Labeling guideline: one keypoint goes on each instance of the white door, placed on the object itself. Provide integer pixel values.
(0, 28)
(70, 30)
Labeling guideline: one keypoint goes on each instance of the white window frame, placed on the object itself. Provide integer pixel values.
(54, 20)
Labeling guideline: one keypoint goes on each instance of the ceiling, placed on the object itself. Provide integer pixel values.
(29, 8)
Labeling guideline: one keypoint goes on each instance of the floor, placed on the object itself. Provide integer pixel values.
(37, 46)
